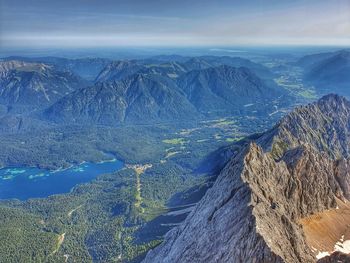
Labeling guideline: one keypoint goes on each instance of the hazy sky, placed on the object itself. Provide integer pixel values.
(90, 23)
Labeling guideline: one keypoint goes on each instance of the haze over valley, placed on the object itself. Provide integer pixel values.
(174, 132)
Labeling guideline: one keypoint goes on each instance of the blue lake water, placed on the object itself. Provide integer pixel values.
(23, 183)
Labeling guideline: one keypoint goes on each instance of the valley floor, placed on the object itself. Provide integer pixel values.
(119, 216)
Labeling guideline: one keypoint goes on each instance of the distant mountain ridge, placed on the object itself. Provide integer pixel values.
(148, 97)
(225, 87)
(175, 68)
(209, 85)
(87, 68)
(34, 85)
(328, 71)
(138, 98)
(90, 68)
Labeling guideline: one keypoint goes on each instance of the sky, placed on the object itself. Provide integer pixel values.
(110, 23)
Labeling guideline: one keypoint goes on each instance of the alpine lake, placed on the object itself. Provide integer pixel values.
(29, 182)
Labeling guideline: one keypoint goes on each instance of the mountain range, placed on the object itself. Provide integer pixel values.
(163, 88)
(225, 88)
(26, 85)
(328, 71)
(281, 198)
(279, 195)
(174, 67)
(138, 98)
(86, 68)
(142, 97)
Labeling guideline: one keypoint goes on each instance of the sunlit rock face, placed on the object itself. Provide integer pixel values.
(262, 207)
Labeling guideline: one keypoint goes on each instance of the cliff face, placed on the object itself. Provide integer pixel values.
(222, 226)
(324, 124)
(254, 211)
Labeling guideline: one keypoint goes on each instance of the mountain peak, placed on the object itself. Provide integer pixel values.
(118, 70)
(22, 66)
(344, 53)
(323, 124)
(255, 211)
(35, 85)
(333, 99)
(227, 88)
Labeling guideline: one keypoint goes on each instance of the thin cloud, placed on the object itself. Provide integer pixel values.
(227, 23)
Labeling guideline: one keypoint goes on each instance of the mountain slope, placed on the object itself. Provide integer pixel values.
(34, 85)
(254, 211)
(330, 72)
(154, 96)
(204, 62)
(229, 89)
(333, 68)
(118, 70)
(139, 99)
(310, 61)
(87, 68)
(324, 124)
(122, 69)
(173, 67)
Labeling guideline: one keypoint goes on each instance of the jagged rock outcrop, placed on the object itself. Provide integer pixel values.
(254, 210)
(324, 124)
(251, 213)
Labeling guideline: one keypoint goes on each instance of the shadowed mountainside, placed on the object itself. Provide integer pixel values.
(328, 71)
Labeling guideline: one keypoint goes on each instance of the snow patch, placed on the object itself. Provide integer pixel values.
(322, 255)
(343, 247)
(340, 246)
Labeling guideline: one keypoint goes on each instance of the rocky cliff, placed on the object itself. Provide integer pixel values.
(324, 124)
(263, 205)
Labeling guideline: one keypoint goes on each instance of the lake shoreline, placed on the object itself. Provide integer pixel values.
(25, 183)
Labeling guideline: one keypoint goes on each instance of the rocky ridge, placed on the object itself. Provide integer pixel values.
(253, 212)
